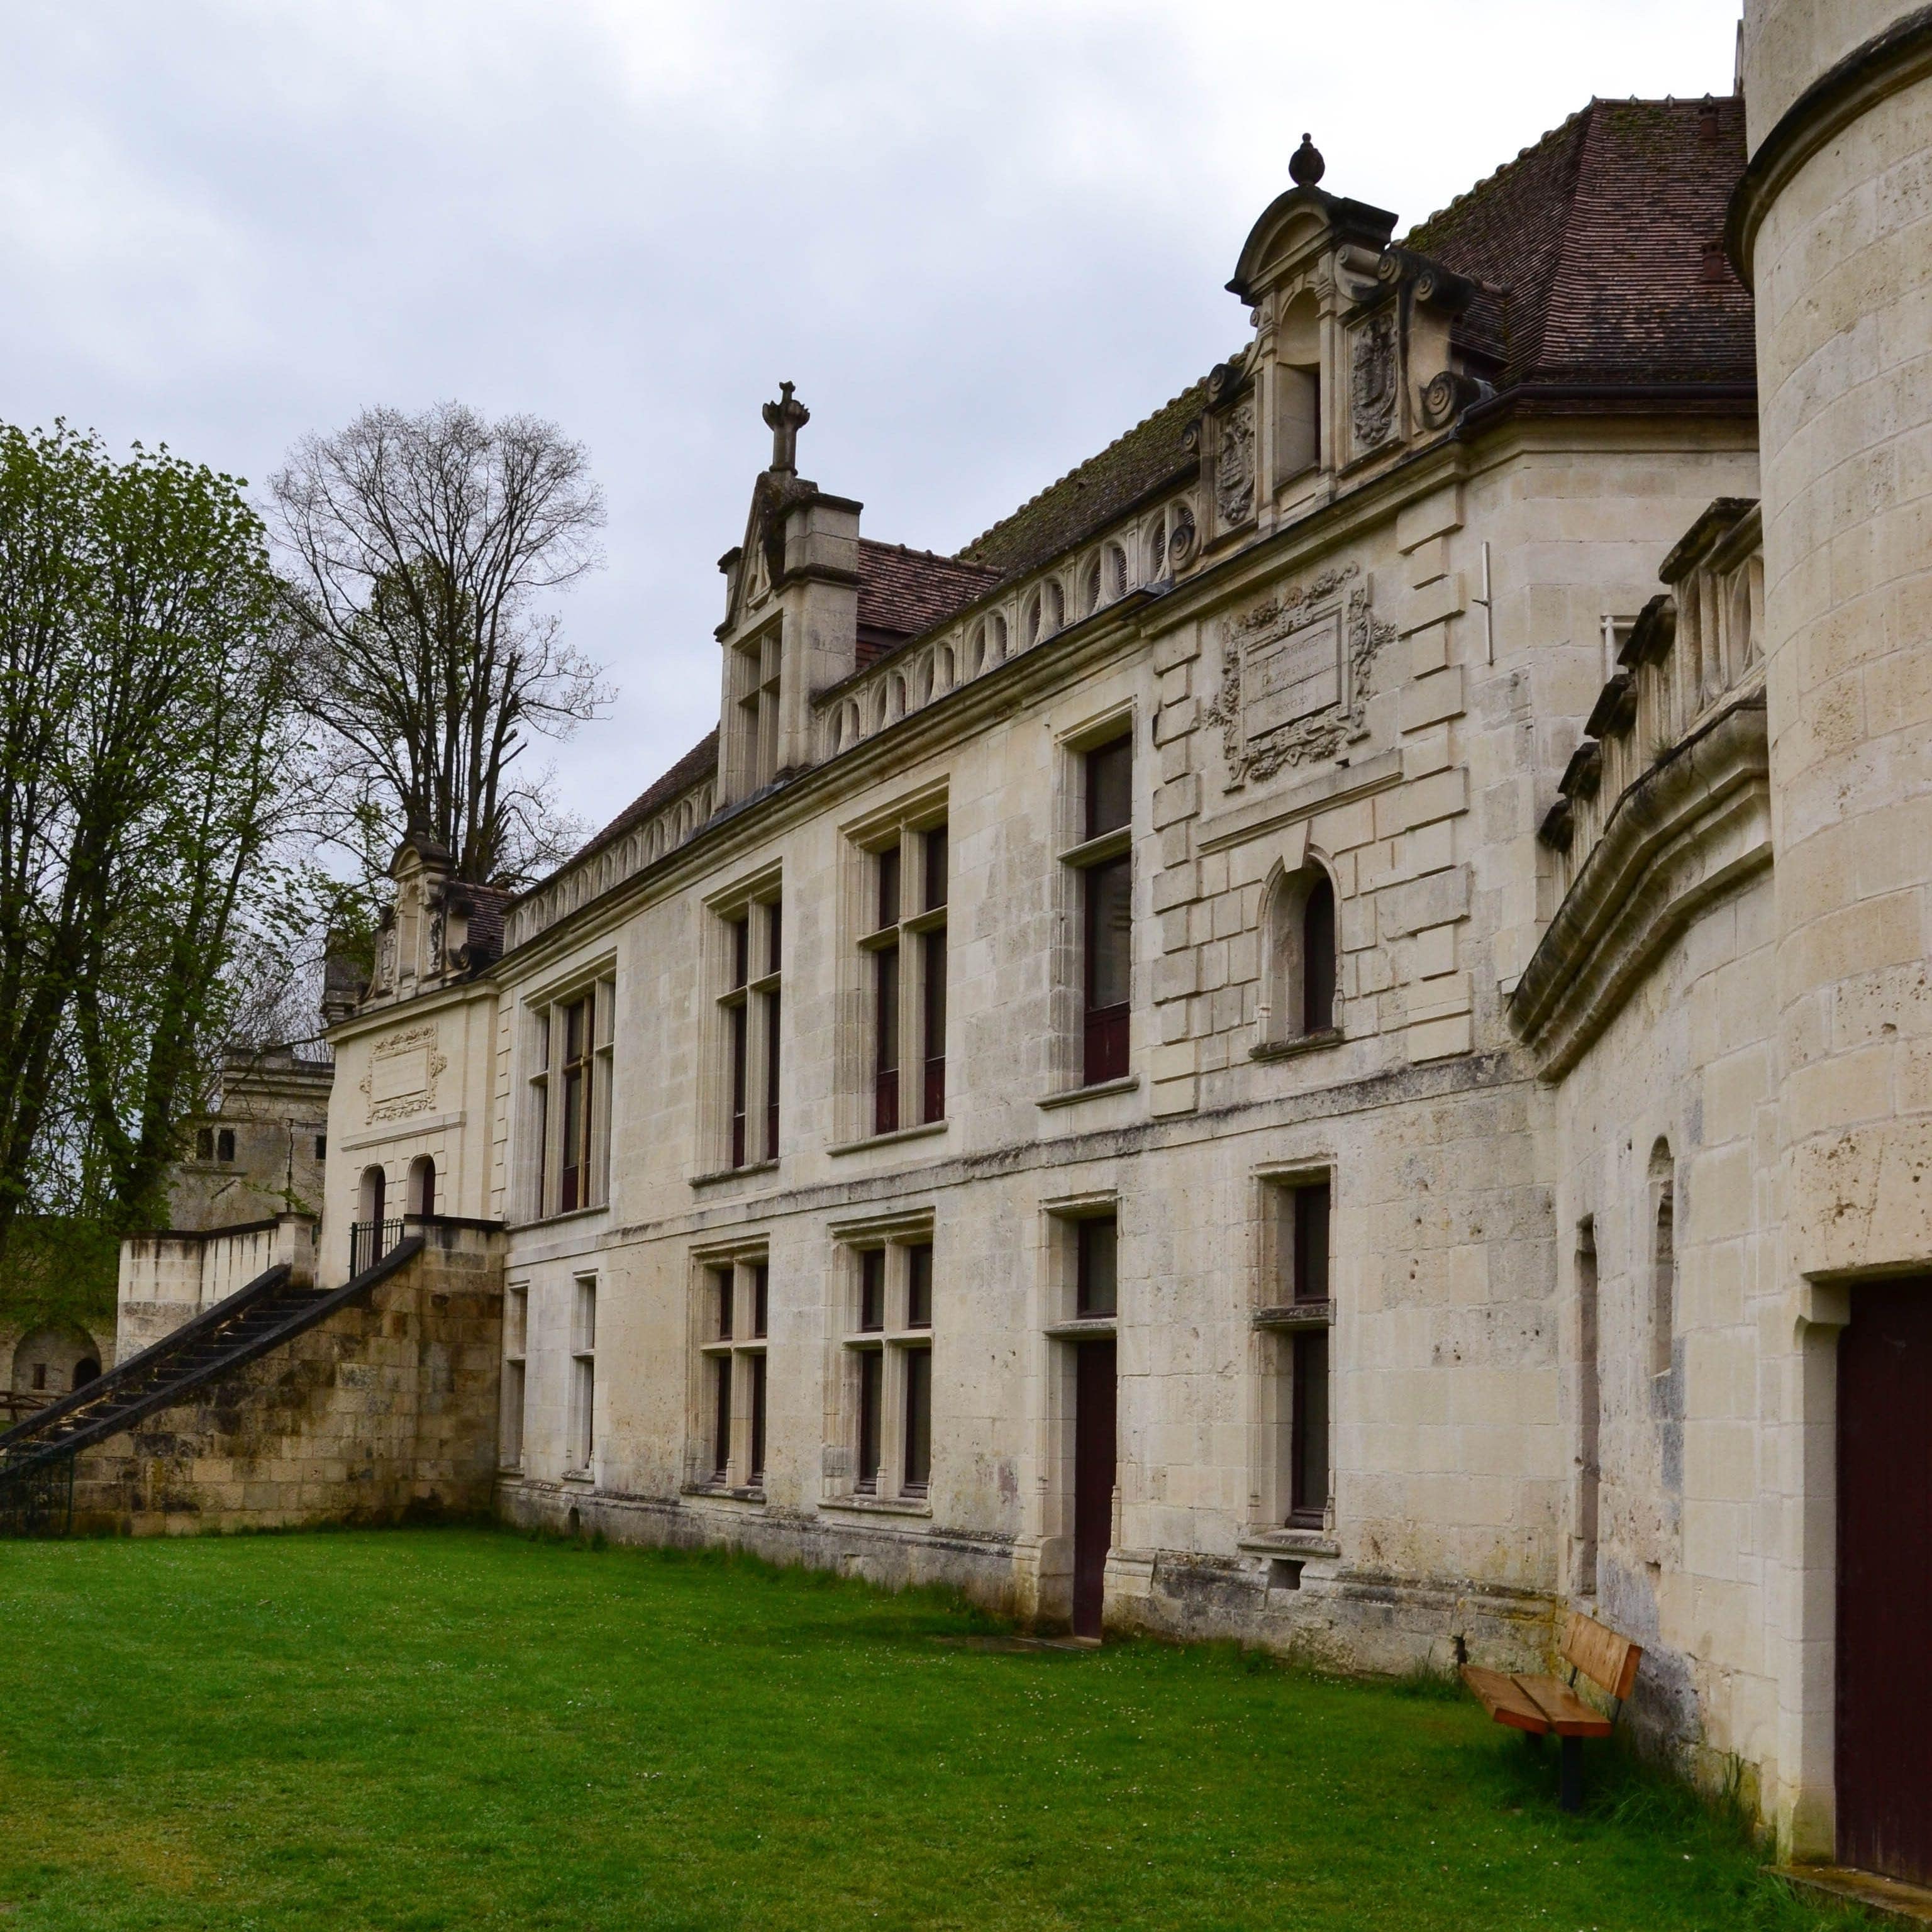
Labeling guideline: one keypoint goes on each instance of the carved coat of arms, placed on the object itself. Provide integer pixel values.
(1235, 465)
(1296, 675)
(1371, 382)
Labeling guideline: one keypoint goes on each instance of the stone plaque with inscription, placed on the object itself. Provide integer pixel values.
(1288, 677)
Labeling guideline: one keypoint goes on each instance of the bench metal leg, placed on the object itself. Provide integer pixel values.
(1571, 1794)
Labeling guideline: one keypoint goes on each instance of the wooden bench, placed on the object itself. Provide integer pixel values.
(1537, 1706)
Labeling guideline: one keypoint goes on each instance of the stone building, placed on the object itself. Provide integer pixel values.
(1322, 1036)
(261, 1149)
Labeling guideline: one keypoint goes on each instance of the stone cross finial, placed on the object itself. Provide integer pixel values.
(785, 417)
(1305, 166)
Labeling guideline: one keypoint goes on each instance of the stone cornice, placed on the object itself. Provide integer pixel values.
(1852, 87)
(1695, 826)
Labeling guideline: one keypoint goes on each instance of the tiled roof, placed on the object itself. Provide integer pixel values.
(1600, 254)
(696, 764)
(1602, 246)
(484, 937)
(902, 591)
(1095, 493)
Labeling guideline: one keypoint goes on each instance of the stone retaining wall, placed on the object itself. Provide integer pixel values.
(386, 1410)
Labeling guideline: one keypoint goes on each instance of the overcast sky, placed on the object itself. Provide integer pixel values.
(983, 239)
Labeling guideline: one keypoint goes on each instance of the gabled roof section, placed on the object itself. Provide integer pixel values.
(1085, 499)
(903, 592)
(1601, 249)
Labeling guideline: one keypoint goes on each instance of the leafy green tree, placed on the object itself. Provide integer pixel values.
(149, 752)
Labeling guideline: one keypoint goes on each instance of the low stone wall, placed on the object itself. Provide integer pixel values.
(1352, 1623)
(384, 1411)
(980, 1568)
(169, 1277)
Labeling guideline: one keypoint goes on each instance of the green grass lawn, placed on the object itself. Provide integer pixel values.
(458, 1728)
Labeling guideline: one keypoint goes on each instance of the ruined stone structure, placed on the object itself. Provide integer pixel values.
(1323, 1037)
(261, 1149)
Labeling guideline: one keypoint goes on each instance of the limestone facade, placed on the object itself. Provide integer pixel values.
(1416, 847)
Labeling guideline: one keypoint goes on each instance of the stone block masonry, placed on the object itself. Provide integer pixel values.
(384, 1411)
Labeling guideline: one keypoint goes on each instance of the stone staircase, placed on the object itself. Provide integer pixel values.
(37, 1456)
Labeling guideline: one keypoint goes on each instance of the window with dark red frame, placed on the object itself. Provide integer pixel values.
(751, 1012)
(906, 943)
(574, 1162)
(1106, 889)
(733, 1320)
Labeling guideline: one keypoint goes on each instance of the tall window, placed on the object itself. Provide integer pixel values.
(1299, 978)
(516, 1349)
(224, 1144)
(583, 1376)
(904, 958)
(1104, 876)
(749, 1006)
(1664, 1260)
(734, 1319)
(579, 1018)
(422, 1185)
(888, 1347)
(1589, 1410)
(754, 682)
(1096, 1287)
(1295, 1318)
(569, 1106)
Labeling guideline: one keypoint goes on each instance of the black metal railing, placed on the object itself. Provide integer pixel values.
(37, 1497)
(369, 1241)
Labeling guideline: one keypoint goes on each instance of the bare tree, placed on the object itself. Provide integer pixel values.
(421, 549)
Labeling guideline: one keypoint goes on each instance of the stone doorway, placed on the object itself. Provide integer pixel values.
(1882, 1770)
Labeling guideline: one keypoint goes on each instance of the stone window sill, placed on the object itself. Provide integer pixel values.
(924, 1131)
(1293, 1049)
(1126, 1084)
(587, 1477)
(1084, 1328)
(1290, 1543)
(880, 1505)
(721, 1493)
(1297, 1315)
(544, 1220)
(734, 1173)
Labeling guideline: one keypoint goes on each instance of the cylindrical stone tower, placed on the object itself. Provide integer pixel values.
(1832, 229)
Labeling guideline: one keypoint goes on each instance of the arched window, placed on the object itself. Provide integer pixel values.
(1298, 977)
(86, 1370)
(1663, 1259)
(375, 1186)
(422, 1185)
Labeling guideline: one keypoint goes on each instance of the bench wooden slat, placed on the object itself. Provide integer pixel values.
(1601, 1655)
(1507, 1704)
(1568, 1715)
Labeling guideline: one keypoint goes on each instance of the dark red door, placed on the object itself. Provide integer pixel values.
(1885, 1581)
(1093, 1469)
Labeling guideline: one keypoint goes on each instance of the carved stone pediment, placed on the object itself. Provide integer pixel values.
(1296, 673)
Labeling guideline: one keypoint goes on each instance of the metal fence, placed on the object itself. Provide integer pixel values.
(37, 1497)
(369, 1241)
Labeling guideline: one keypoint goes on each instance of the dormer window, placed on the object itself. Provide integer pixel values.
(754, 691)
(1297, 413)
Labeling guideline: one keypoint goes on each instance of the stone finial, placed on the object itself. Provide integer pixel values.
(784, 418)
(1305, 166)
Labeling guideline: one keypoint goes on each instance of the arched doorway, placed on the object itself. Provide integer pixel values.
(422, 1185)
(50, 1362)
